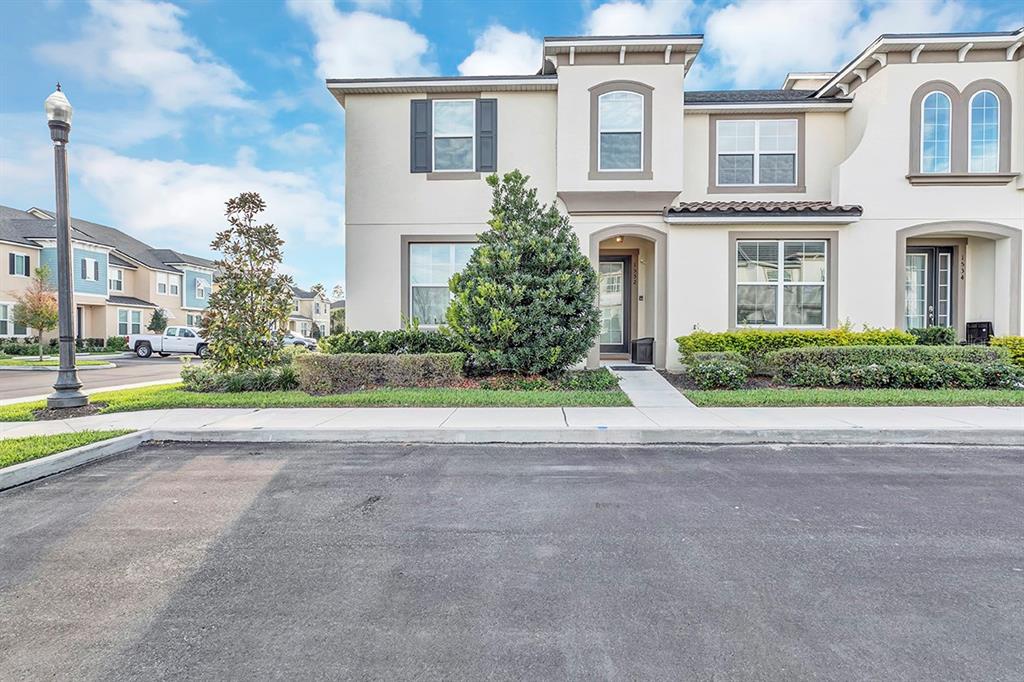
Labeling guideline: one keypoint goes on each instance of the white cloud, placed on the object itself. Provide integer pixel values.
(175, 203)
(756, 42)
(144, 45)
(628, 17)
(361, 44)
(302, 139)
(499, 51)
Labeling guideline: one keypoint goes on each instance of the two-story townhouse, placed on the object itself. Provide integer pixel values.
(309, 310)
(887, 194)
(119, 281)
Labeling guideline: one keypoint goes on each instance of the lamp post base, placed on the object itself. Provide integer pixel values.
(66, 393)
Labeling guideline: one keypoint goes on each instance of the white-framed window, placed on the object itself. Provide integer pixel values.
(161, 282)
(129, 321)
(20, 265)
(200, 288)
(90, 270)
(430, 268)
(620, 126)
(983, 123)
(323, 328)
(935, 133)
(454, 131)
(7, 325)
(295, 305)
(316, 307)
(304, 329)
(761, 152)
(174, 284)
(116, 279)
(781, 282)
(194, 319)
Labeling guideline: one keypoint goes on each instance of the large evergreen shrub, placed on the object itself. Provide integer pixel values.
(525, 301)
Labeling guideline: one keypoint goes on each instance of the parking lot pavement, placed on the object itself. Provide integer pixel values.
(394, 562)
(129, 370)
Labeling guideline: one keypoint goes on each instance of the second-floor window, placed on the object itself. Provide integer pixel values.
(295, 305)
(620, 120)
(116, 279)
(935, 133)
(90, 270)
(984, 132)
(19, 265)
(201, 289)
(454, 123)
(756, 152)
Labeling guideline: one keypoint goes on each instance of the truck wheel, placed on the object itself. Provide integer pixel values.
(143, 350)
(203, 352)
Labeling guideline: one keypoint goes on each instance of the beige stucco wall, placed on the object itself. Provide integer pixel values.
(12, 285)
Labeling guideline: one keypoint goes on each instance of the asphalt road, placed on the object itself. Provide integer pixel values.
(471, 562)
(129, 370)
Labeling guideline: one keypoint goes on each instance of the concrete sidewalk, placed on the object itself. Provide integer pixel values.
(939, 425)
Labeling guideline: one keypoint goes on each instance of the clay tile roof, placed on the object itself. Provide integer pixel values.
(766, 208)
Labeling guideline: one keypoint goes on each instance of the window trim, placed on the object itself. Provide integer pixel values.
(111, 279)
(129, 323)
(200, 288)
(434, 136)
(970, 129)
(407, 240)
(173, 282)
(601, 131)
(831, 297)
(920, 143)
(9, 320)
(646, 145)
(799, 185)
(756, 153)
(92, 269)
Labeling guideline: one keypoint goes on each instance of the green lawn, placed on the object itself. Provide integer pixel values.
(17, 450)
(868, 397)
(29, 362)
(172, 395)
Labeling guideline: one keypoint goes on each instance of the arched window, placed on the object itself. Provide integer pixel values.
(935, 132)
(621, 128)
(984, 133)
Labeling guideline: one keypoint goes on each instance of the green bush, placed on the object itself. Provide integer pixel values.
(935, 336)
(785, 362)
(392, 342)
(322, 373)
(1013, 344)
(18, 348)
(116, 343)
(960, 374)
(584, 380)
(756, 344)
(728, 355)
(1003, 375)
(524, 303)
(711, 374)
(206, 379)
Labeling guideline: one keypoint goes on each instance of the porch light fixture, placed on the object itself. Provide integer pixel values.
(618, 239)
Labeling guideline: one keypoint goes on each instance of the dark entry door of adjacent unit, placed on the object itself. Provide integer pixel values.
(79, 321)
(930, 287)
(614, 280)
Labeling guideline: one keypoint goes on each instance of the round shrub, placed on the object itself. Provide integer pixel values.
(935, 336)
(1002, 375)
(812, 376)
(713, 374)
(960, 374)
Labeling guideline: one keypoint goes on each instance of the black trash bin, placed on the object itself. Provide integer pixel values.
(642, 351)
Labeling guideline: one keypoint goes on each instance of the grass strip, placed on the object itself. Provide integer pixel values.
(17, 450)
(867, 397)
(48, 363)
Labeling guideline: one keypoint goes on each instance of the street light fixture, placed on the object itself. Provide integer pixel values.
(66, 390)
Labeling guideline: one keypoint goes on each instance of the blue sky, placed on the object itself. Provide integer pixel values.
(179, 105)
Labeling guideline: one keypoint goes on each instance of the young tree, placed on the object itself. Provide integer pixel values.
(247, 316)
(337, 320)
(525, 301)
(158, 323)
(337, 293)
(36, 307)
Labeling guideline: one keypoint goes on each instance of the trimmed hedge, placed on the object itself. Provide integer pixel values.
(935, 336)
(903, 374)
(718, 373)
(392, 342)
(755, 344)
(204, 379)
(786, 362)
(320, 373)
(727, 355)
(1014, 345)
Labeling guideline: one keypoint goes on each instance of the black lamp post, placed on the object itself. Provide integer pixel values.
(66, 393)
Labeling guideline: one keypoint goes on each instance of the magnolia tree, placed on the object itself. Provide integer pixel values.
(525, 301)
(36, 307)
(247, 316)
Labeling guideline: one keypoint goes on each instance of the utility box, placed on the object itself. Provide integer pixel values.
(642, 351)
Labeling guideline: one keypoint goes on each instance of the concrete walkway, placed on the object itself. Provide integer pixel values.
(959, 425)
(646, 388)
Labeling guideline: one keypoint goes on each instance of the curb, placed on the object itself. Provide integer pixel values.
(54, 368)
(60, 462)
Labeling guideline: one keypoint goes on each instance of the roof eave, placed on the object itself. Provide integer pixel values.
(760, 219)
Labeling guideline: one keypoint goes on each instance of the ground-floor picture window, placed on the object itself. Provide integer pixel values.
(129, 322)
(430, 268)
(781, 282)
(7, 325)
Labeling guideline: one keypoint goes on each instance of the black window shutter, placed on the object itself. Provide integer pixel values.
(11, 263)
(96, 271)
(28, 265)
(419, 136)
(85, 271)
(487, 135)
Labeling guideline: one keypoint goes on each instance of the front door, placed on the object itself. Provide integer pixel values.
(79, 322)
(613, 299)
(929, 287)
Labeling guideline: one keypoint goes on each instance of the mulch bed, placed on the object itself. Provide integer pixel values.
(48, 414)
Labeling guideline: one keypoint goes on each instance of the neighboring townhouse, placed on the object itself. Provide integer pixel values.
(308, 311)
(119, 281)
(887, 194)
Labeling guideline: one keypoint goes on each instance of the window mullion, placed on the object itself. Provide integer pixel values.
(780, 286)
(757, 153)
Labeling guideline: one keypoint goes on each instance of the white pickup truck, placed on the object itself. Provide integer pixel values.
(173, 340)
